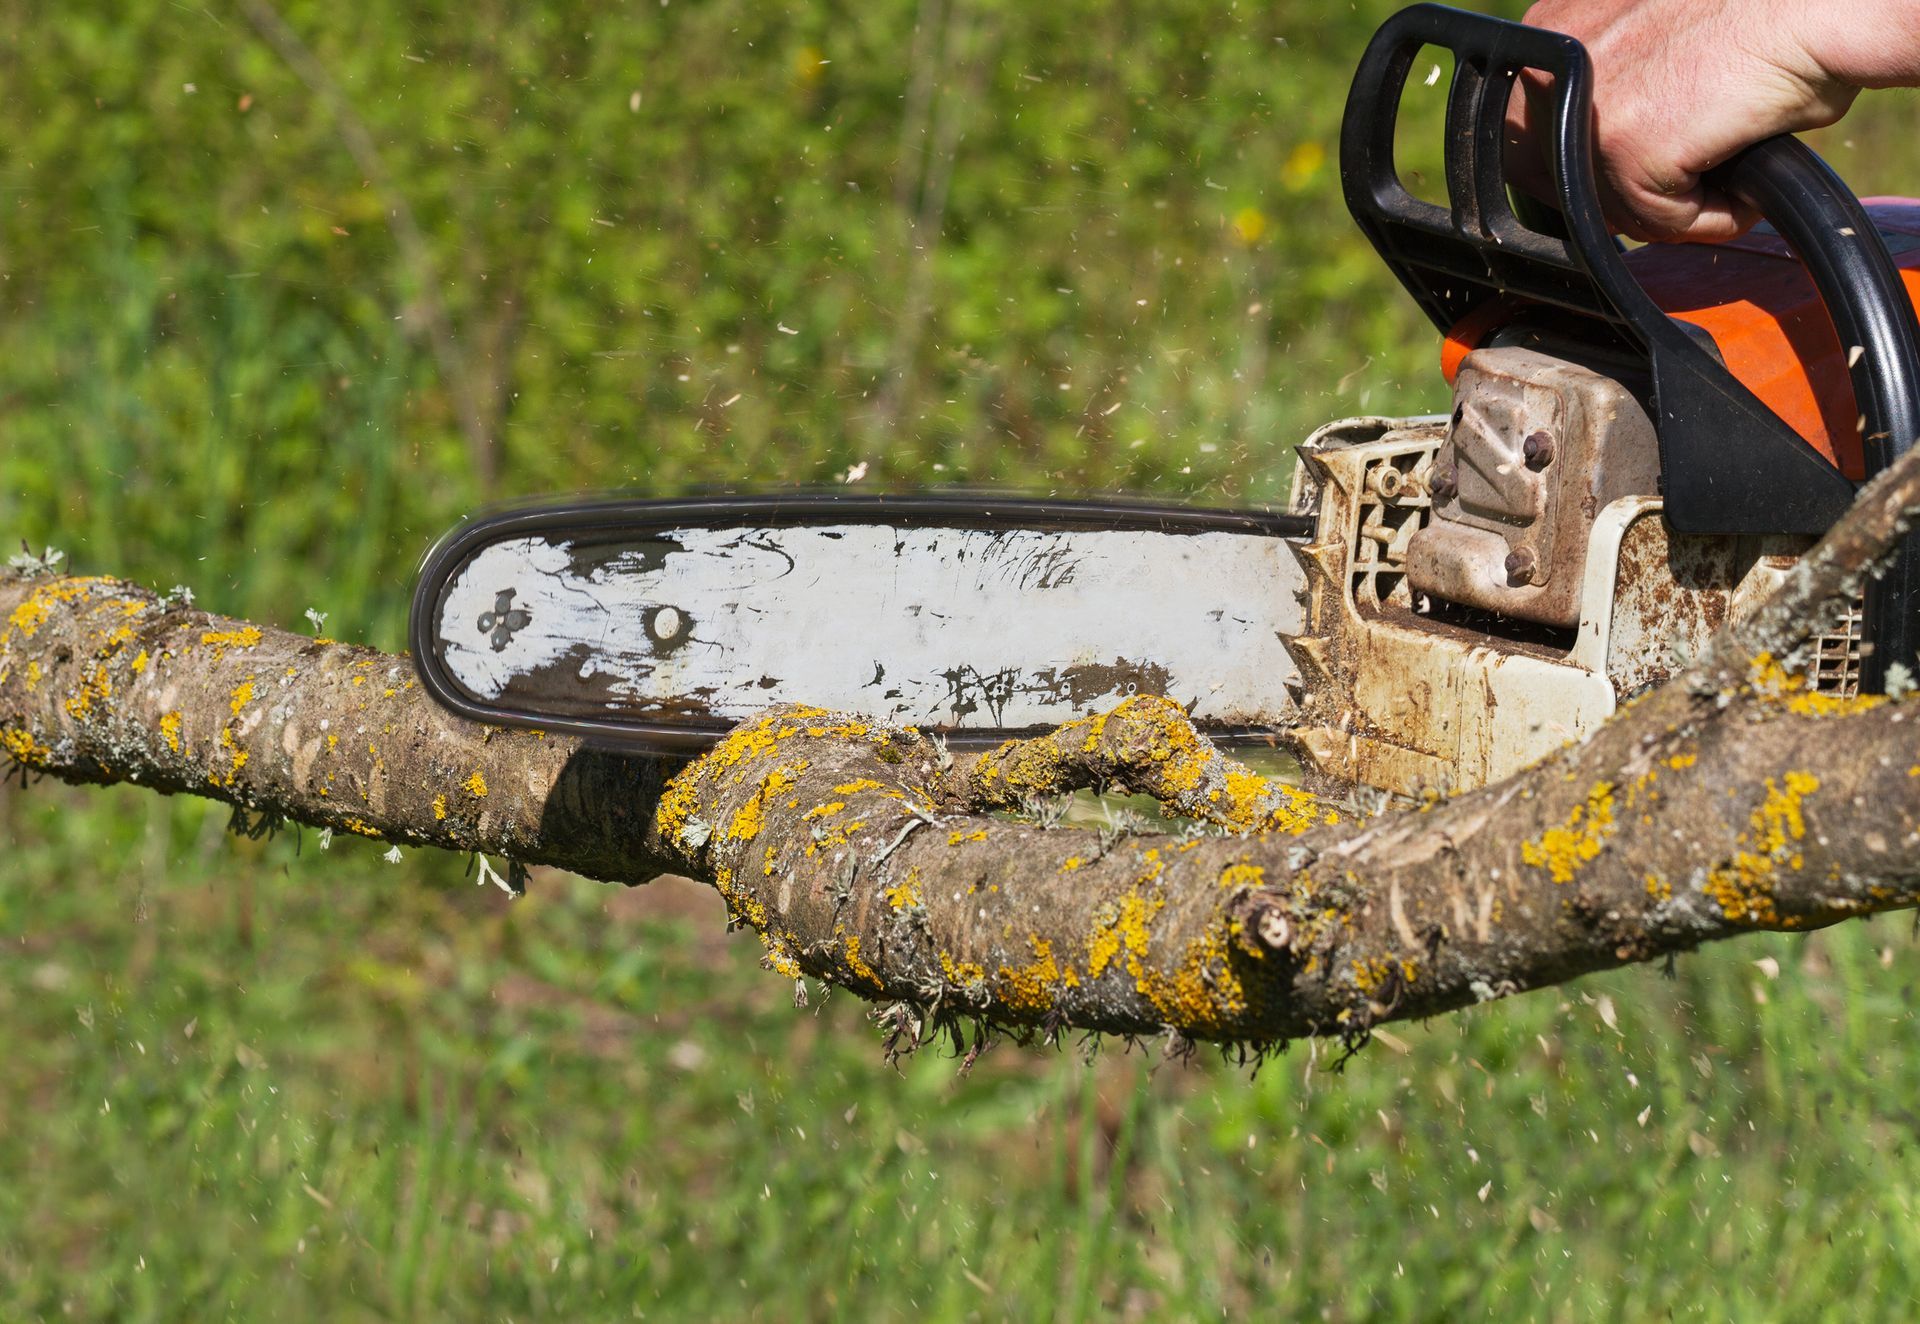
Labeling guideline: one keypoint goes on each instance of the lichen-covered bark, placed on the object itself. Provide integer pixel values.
(1142, 746)
(1732, 799)
(101, 681)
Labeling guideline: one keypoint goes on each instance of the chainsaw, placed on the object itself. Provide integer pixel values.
(1641, 446)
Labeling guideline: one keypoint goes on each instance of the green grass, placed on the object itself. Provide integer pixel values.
(253, 1080)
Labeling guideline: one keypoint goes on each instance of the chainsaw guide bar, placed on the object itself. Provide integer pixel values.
(657, 625)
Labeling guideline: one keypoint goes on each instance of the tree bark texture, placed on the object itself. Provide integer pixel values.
(1731, 799)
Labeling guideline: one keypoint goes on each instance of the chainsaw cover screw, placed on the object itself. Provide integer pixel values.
(1444, 485)
(1538, 450)
(1520, 566)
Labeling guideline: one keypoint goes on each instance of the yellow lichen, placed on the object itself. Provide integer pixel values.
(840, 730)
(905, 895)
(1562, 850)
(244, 637)
(170, 730)
(1172, 742)
(241, 697)
(966, 974)
(778, 957)
(236, 760)
(1774, 684)
(743, 903)
(1122, 926)
(1369, 975)
(856, 786)
(439, 807)
(1242, 876)
(1036, 985)
(1743, 886)
(96, 686)
(856, 964)
(836, 836)
(19, 742)
(751, 816)
(823, 811)
(140, 662)
(678, 800)
(683, 795)
(30, 615)
(1096, 727)
(1203, 992)
(476, 785)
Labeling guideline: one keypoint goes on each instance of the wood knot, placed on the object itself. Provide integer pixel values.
(1274, 928)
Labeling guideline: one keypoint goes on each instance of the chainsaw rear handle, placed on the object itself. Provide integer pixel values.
(1830, 232)
(1729, 465)
(1819, 217)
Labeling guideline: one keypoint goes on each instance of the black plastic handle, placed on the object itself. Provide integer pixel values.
(1728, 463)
(1825, 225)
(1831, 233)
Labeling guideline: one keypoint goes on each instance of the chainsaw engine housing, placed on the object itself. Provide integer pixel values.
(1536, 449)
(1402, 690)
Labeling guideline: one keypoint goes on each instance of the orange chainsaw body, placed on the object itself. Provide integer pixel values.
(1773, 333)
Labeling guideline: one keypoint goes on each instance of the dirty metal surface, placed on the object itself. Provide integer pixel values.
(1390, 696)
(650, 632)
(1672, 594)
(1537, 448)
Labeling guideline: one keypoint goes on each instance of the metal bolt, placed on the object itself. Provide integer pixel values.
(1538, 450)
(1445, 484)
(1520, 566)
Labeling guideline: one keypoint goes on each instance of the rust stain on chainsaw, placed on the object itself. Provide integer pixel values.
(1080, 687)
(1672, 594)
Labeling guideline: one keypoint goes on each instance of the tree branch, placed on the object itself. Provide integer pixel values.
(1729, 800)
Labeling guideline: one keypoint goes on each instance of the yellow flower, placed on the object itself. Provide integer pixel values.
(1302, 164)
(809, 66)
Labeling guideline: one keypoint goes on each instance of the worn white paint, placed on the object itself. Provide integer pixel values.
(908, 625)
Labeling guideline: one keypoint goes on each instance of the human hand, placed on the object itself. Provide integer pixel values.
(1681, 85)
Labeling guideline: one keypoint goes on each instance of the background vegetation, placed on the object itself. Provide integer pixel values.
(283, 295)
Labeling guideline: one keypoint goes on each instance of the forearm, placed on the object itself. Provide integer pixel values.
(1863, 43)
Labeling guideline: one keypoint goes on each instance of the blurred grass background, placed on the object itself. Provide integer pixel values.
(284, 293)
